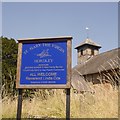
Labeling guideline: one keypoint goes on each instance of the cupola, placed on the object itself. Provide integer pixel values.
(86, 50)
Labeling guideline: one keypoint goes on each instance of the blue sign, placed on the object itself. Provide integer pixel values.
(44, 63)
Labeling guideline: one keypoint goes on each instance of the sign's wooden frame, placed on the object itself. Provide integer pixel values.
(68, 39)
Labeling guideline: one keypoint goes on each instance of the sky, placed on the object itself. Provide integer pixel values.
(50, 19)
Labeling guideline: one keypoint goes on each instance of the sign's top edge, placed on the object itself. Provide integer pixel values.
(46, 38)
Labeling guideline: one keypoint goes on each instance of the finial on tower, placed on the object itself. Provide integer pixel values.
(87, 31)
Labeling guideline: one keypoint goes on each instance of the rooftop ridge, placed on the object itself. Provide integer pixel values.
(115, 49)
(88, 41)
(107, 51)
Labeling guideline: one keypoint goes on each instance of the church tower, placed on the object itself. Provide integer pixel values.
(86, 50)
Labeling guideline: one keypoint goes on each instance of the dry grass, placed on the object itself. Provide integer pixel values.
(101, 104)
(0, 108)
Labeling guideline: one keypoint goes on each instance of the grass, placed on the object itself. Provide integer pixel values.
(101, 104)
(0, 108)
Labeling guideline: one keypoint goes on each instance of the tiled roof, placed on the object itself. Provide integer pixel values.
(101, 62)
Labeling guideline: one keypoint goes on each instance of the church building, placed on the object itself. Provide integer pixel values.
(94, 67)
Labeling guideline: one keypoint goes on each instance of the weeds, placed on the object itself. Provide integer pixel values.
(102, 104)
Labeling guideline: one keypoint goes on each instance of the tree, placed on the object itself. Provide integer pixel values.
(9, 65)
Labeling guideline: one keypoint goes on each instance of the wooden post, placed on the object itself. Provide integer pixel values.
(67, 104)
(19, 107)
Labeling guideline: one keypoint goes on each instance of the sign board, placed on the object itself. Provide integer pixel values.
(44, 63)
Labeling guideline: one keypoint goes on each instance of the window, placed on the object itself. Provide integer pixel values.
(92, 52)
(81, 52)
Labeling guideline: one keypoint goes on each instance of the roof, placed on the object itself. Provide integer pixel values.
(79, 83)
(88, 42)
(101, 62)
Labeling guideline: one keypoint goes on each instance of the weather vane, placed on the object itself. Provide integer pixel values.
(87, 31)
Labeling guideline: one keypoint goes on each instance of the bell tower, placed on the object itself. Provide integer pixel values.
(86, 50)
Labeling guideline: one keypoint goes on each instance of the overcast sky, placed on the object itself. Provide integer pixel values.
(37, 19)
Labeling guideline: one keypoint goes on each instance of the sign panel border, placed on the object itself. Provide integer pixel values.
(68, 39)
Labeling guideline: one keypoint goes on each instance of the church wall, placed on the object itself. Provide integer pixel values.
(93, 78)
(105, 77)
